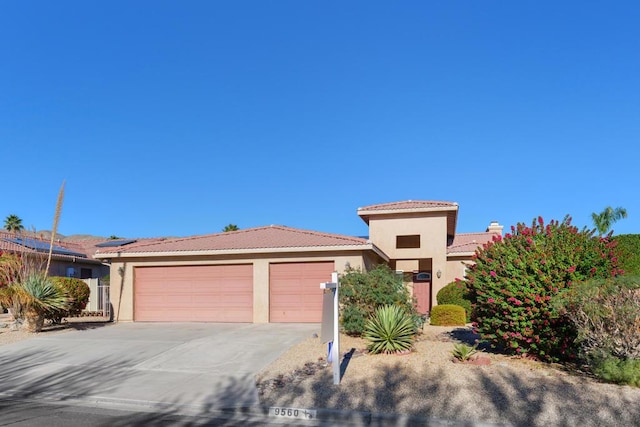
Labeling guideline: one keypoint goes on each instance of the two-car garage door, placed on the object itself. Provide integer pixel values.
(194, 293)
(224, 293)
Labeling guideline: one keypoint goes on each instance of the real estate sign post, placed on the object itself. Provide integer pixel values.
(330, 331)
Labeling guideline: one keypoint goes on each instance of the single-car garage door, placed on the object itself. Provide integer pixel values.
(294, 291)
(195, 293)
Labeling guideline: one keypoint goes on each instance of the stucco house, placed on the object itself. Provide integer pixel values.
(273, 273)
(67, 259)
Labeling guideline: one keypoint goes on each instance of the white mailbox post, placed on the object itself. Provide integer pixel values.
(335, 339)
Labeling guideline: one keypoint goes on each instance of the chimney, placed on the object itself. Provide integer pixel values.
(495, 227)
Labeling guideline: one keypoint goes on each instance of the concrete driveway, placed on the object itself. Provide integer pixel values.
(199, 366)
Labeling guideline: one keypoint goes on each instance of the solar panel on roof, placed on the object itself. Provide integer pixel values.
(115, 243)
(43, 246)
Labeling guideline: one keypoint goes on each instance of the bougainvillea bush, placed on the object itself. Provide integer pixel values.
(515, 277)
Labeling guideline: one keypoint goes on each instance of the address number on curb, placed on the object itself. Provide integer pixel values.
(306, 414)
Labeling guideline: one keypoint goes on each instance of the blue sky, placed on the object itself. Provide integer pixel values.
(177, 118)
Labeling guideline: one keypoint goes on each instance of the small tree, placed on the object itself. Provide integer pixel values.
(361, 293)
(605, 219)
(230, 227)
(515, 277)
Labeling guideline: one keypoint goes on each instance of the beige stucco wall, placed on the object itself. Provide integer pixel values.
(122, 275)
(456, 267)
(432, 229)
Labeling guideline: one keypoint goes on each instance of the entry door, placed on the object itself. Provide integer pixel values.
(422, 294)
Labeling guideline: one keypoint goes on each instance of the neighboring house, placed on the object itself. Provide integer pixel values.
(273, 274)
(67, 259)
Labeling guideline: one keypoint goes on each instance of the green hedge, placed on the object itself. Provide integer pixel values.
(455, 293)
(628, 250)
(448, 315)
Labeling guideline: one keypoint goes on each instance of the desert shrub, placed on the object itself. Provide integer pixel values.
(391, 329)
(619, 371)
(78, 293)
(361, 293)
(606, 316)
(514, 278)
(10, 268)
(456, 293)
(32, 299)
(628, 251)
(448, 315)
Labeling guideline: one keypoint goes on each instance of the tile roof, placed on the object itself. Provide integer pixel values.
(409, 204)
(270, 237)
(469, 242)
(8, 243)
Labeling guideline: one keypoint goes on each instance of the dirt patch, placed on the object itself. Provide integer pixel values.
(9, 334)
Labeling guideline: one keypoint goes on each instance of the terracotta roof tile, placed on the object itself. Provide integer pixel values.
(409, 204)
(469, 242)
(8, 243)
(270, 237)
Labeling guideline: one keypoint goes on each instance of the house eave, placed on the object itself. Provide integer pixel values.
(365, 215)
(255, 251)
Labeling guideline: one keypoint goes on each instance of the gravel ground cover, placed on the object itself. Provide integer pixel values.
(428, 383)
(8, 333)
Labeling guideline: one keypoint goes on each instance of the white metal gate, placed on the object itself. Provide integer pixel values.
(99, 302)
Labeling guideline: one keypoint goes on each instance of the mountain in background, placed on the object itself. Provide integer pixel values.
(46, 235)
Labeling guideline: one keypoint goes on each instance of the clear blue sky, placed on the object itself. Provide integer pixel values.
(179, 117)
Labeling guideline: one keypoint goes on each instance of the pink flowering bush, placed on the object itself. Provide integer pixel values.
(516, 276)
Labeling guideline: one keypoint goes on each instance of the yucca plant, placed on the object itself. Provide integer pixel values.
(390, 330)
(32, 298)
(464, 352)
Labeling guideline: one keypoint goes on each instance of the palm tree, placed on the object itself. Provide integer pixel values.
(13, 223)
(605, 219)
(230, 227)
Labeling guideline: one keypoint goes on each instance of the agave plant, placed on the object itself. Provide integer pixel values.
(390, 330)
(464, 352)
(32, 298)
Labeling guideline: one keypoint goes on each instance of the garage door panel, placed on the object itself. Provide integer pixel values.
(221, 293)
(294, 291)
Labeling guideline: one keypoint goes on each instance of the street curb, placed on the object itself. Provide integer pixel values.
(325, 416)
(365, 418)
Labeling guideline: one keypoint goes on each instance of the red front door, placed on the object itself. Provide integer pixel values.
(422, 294)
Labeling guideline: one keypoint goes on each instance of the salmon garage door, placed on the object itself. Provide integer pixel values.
(197, 293)
(294, 291)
